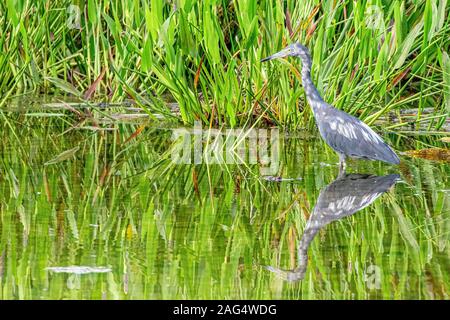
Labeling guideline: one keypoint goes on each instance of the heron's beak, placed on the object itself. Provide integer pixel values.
(281, 54)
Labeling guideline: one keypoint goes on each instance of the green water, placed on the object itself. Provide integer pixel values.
(100, 214)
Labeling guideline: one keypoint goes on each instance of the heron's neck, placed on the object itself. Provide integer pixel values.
(312, 95)
(302, 252)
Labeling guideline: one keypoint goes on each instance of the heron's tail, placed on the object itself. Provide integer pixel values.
(393, 157)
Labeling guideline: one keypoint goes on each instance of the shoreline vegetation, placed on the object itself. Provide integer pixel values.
(370, 58)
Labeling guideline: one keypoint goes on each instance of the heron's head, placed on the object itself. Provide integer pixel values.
(293, 50)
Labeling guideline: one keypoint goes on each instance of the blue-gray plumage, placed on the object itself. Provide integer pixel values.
(343, 197)
(347, 135)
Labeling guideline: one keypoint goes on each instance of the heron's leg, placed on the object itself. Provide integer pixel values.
(342, 164)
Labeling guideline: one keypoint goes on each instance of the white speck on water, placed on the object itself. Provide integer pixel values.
(79, 269)
(323, 164)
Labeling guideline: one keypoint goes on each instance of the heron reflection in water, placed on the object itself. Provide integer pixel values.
(346, 195)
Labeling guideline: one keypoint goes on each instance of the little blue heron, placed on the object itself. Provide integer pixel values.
(347, 135)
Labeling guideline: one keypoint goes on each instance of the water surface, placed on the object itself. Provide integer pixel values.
(96, 209)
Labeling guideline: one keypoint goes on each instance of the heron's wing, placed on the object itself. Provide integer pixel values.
(352, 137)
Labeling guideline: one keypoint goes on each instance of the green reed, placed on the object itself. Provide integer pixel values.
(370, 58)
